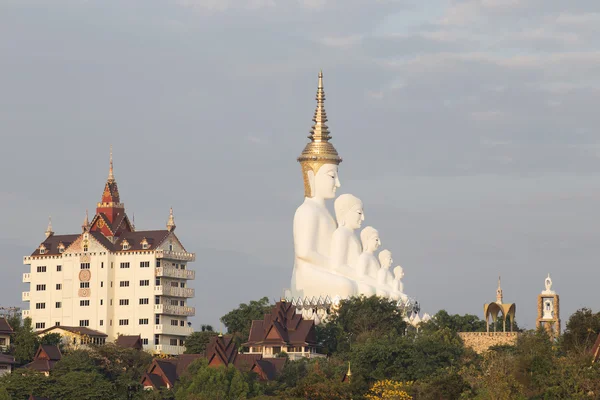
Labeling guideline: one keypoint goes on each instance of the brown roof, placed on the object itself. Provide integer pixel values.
(154, 238)
(271, 367)
(51, 244)
(5, 326)
(79, 330)
(130, 341)
(45, 358)
(6, 359)
(283, 326)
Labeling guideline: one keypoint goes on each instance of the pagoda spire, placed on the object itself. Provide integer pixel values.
(320, 130)
(171, 223)
(49, 231)
(499, 293)
(111, 176)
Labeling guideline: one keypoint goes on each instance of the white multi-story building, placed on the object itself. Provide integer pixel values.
(114, 279)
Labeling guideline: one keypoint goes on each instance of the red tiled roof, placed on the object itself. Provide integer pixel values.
(282, 326)
(130, 341)
(5, 326)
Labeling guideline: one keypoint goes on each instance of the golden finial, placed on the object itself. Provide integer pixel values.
(49, 231)
(319, 150)
(171, 224)
(499, 293)
(111, 176)
(349, 373)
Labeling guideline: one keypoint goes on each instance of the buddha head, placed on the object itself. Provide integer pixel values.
(385, 259)
(319, 159)
(398, 273)
(349, 211)
(370, 239)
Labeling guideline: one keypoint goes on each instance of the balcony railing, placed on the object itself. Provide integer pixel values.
(176, 255)
(174, 310)
(25, 296)
(173, 291)
(173, 330)
(27, 277)
(171, 272)
(167, 349)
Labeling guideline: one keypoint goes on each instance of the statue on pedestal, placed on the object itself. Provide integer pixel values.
(385, 278)
(367, 265)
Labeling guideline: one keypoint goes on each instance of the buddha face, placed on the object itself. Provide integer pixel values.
(385, 259)
(354, 217)
(374, 242)
(326, 181)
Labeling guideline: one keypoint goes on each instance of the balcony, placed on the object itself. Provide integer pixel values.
(170, 350)
(175, 255)
(173, 291)
(25, 296)
(173, 330)
(27, 277)
(170, 272)
(174, 310)
(26, 313)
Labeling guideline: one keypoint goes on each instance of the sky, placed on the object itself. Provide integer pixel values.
(468, 128)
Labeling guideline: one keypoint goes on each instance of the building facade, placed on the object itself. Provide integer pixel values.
(112, 278)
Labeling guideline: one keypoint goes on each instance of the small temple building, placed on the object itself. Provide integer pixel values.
(283, 330)
(45, 358)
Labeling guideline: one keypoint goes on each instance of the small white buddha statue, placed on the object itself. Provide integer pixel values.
(385, 278)
(367, 264)
(397, 292)
(313, 224)
(345, 246)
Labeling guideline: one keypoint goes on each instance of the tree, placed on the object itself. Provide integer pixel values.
(581, 331)
(239, 320)
(26, 342)
(4, 394)
(197, 342)
(454, 322)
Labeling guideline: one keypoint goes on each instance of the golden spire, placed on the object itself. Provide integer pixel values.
(111, 176)
(49, 231)
(171, 224)
(86, 222)
(319, 150)
(499, 293)
(349, 373)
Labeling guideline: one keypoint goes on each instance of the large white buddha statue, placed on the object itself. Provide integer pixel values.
(397, 285)
(385, 278)
(367, 264)
(345, 246)
(313, 275)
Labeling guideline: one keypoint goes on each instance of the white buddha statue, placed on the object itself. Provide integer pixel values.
(397, 285)
(367, 264)
(345, 246)
(385, 278)
(313, 224)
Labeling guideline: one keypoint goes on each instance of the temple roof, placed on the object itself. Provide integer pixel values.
(282, 326)
(5, 327)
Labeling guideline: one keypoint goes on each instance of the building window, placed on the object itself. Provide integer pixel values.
(102, 265)
(101, 322)
(157, 281)
(182, 266)
(125, 247)
(85, 265)
(124, 284)
(145, 341)
(59, 286)
(143, 321)
(144, 246)
(40, 306)
(101, 301)
(174, 302)
(124, 302)
(145, 282)
(144, 301)
(144, 264)
(181, 323)
(170, 247)
(84, 303)
(41, 269)
(84, 285)
(40, 288)
(40, 325)
(58, 268)
(157, 263)
(182, 303)
(123, 322)
(156, 340)
(58, 304)
(173, 342)
(84, 322)
(124, 265)
(85, 248)
(101, 283)
(182, 284)
(156, 299)
(111, 302)
(157, 319)
(181, 342)
(174, 322)
(57, 323)
(42, 251)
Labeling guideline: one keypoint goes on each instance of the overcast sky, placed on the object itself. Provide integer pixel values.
(468, 128)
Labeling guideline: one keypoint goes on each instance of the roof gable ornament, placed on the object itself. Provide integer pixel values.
(49, 231)
(171, 223)
(86, 222)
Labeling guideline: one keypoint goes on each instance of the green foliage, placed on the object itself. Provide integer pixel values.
(581, 331)
(454, 322)
(317, 379)
(26, 342)
(360, 316)
(239, 320)
(53, 339)
(196, 343)
(4, 394)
